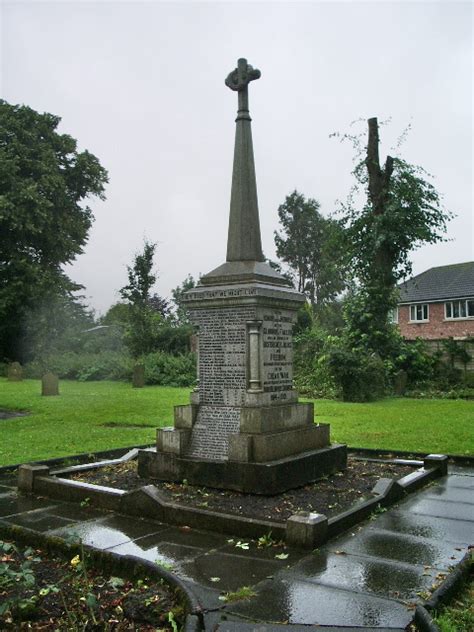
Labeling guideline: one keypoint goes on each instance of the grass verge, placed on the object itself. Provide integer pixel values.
(93, 416)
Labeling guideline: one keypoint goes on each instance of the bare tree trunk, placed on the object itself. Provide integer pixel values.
(379, 182)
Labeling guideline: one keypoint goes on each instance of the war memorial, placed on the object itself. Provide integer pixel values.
(244, 428)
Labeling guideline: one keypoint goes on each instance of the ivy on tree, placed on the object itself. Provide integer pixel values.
(402, 212)
(44, 217)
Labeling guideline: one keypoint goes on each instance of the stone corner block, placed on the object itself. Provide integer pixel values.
(306, 530)
(388, 488)
(437, 461)
(27, 475)
(185, 416)
(241, 448)
(194, 398)
(172, 440)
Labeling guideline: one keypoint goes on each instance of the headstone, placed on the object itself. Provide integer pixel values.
(400, 382)
(138, 378)
(244, 428)
(49, 384)
(15, 372)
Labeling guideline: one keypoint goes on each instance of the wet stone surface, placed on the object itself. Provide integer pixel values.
(40, 520)
(386, 545)
(440, 508)
(368, 577)
(382, 578)
(107, 532)
(449, 530)
(296, 601)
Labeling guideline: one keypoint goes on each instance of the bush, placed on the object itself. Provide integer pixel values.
(109, 365)
(360, 376)
(160, 368)
(169, 370)
(312, 374)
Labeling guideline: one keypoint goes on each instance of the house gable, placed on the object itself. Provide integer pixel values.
(438, 303)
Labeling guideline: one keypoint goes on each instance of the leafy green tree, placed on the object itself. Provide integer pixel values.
(143, 321)
(54, 325)
(311, 246)
(402, 212)
(181, 312)
(44, 218)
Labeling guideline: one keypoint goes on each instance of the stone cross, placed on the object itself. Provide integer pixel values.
(243, 242)
(239, 80)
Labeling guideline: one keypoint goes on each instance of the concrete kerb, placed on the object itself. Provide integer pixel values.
(445, 591)
(82, 457)
(108, 561)
(304, 530)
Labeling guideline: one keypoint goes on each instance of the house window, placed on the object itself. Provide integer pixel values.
(419, 312)
(459, 309)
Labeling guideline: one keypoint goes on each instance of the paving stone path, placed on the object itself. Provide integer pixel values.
(368, 578)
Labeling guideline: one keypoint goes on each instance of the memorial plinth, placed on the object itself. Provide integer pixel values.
(244, 428)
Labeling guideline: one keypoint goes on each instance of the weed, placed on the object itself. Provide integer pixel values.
(245, 592)
(265, 541)
(167, 566)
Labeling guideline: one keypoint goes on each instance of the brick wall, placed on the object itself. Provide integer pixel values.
(437, 328)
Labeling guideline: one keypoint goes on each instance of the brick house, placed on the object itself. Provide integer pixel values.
(438, 304)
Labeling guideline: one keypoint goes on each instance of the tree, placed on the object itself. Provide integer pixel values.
(143, 319)
(181, 312)
(44, 218)
(402, 211)
(310, 245)
(54, 325)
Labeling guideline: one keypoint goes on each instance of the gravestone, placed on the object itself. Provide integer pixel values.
(138, 378)
(244, 428)
(15, 372)
(49, 384)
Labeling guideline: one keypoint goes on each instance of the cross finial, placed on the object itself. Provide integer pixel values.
(241, 76)
(239, 80)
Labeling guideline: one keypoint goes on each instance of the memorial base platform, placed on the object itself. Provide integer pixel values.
(271, 477)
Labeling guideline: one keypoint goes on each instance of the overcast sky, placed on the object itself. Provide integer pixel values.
(141, 86)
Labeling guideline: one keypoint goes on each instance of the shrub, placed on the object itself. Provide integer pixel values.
(169, 370)
(361, 376)
(110, 365)
(312, 374)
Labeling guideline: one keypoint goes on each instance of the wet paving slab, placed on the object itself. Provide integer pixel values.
(13, 504)
(227, 572)
(359, 574)
(206, 558)
(439, 508)
(107, 532)
(459, 532)
(452, 494)
(399, 547)
(369, 577)
(295, 601)
(40, 520)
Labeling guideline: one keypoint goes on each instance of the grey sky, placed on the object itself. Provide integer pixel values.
(141, 85)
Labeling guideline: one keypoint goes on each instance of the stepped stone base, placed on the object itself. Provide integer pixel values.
(271, 477)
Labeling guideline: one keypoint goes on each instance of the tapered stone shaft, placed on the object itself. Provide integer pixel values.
(243, 242)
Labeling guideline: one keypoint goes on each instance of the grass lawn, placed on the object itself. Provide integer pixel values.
(92, 416)
(419, 425)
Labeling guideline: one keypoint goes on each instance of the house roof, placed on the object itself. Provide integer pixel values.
(444, 282)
